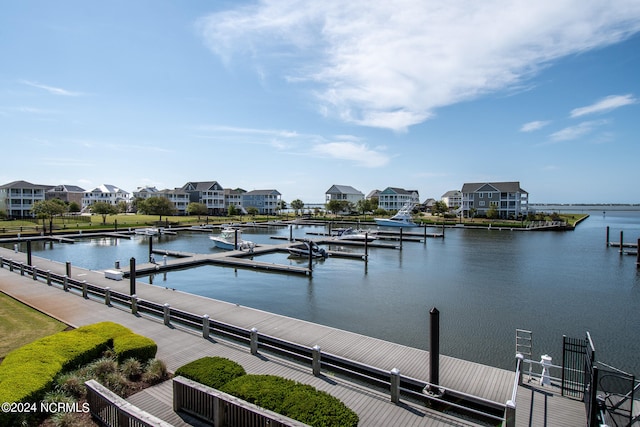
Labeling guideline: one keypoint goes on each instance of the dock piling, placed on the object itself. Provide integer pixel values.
(28, 252)
(434, 349)
(638, 254)
(132, 276)
(607, 242)
(67, 267)
(621, 243)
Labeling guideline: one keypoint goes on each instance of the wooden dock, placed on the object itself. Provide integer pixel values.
(177, 347)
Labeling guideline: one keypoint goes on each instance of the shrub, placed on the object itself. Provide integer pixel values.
(156, 371)
(72, 384)
(295, 400)
(211, 371)
(134, 346)
(131, 368)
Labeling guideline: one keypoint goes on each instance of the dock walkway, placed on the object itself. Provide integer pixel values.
(177, 347)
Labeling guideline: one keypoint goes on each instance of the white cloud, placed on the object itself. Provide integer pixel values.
(392, 64)
(52, 90)
(604, 105)
(533, 126)
(577, 131)
(360, 154)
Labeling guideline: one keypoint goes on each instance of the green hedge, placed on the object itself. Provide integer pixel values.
(299, 401)
(211, 371)
(27, 373)
(134, 346)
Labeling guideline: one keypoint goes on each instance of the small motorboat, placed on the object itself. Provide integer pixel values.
(230, 239)
(357, 235)
(149, 231)
(303, 248)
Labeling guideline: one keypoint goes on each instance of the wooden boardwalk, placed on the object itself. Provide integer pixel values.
(177, 347)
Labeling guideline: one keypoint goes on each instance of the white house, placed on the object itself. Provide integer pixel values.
(452, 198)
(105, 193)
(17, 198)
(394, 198)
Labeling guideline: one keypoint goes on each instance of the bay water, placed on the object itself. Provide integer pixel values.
(485, 283)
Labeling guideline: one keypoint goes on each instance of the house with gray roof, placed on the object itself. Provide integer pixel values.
(105, 193)
(509, 199)
(266, 201)
(344, 193)
(452, 198)
(66, 193)
(394, 198)
(17, 198)
(209, 193)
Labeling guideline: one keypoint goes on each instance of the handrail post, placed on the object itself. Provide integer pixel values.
(65, 283)
(49, 277)
(22, 270)
(107, 296)
(395, 385)
(510, 414)
(84, 289)
(167, 314)
(134, 304)
(316, 360)
(254, 341)
(205, 326)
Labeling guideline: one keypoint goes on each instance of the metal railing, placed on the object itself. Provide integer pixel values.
(392, 381)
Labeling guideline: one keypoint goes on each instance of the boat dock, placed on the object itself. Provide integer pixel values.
(178, 345)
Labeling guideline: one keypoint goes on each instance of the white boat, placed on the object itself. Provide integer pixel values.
(357, 235)
(302, 249)
(400, 219)
(149, 231)
(230, 239)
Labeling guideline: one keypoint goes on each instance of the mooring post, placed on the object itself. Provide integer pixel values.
(400, 238)
(254, 341)
(621, 234)
(167, 314)
(28, 252)
(291, 233)
(316, 354)
(68, 268)
(425, 234)
(607, 242)
(115, 225)
(310, 246)
(395, 385)
(235, 239)
(132, 276)
(366, 246)
(150, 247)
(65, 283)
(638, 254)
(434, 348)
(205, 326)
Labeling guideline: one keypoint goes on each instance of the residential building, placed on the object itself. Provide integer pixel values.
(394, 198)
(178, 197)
(209, 193)
(17, 198)
(66, 193)
(145, 192)
(344, 193)
(105, 193)
(452, 198)
(373, 194)
(233, 197)
(266, 201)
(508, 197)
(427, 205)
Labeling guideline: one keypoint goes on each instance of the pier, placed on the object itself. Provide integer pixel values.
(489, 392)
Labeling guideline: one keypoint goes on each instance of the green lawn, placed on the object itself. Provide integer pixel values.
(20, 324)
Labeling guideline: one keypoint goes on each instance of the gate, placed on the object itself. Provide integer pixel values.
(580, 375)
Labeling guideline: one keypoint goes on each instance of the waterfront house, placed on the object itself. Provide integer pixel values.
(233, 197)
(509, 198)
(105, 193)
(266, 201)
(343, 193)
(178, 197)
(452, 198)
(209, 193)
(394, 198)
(145, 192)
(17, 198)
(66, 193)
(427, 205)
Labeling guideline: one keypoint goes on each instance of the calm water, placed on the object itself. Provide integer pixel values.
(486, 283)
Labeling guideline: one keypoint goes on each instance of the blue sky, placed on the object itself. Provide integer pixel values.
(301, 95)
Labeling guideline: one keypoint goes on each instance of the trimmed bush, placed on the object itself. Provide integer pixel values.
(299, 401)
(28, 372)
(211, 371)
(134, 346)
